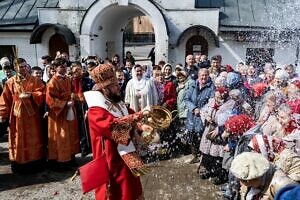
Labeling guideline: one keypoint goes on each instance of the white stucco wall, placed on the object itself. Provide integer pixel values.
(234, 52)
(101, 14)
(83, 4)
(96, 22)
(176, 4)
(178, 21)
(21, 41)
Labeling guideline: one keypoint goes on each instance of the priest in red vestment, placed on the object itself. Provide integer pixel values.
(114, 125)
(22, 96)
(63, 140)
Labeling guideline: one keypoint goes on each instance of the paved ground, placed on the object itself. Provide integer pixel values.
(168, 180)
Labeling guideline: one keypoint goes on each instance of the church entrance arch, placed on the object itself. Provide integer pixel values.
(196, 45)
(103, 25)
(57, 43)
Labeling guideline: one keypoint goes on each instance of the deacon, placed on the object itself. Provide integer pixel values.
(63, 141)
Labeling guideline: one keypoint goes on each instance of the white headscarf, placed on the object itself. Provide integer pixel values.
(138, 84)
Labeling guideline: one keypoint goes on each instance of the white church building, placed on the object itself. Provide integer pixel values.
(259, 30)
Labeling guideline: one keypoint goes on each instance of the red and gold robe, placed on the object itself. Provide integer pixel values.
(114, 124)
(123, 184)
(25, 137)
(63, 135)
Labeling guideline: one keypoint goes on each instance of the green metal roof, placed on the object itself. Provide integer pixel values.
(22, 14)
(278, 14)
(234, 14)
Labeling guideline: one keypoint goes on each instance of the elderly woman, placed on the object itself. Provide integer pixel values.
(235, 81)
(220, 81)
(211, 145)
(280, 81)
(196, 97)
(140, 91)
(267, 118)
(258, 177)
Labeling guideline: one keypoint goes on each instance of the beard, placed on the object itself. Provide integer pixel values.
(115, 98)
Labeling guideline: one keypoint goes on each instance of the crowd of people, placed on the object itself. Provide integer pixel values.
(241, 124)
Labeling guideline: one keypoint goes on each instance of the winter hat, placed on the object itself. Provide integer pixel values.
(289, 192)
(249, 165)
(239, 124)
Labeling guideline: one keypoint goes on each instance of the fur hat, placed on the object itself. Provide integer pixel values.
(104, 75)
(249, 165)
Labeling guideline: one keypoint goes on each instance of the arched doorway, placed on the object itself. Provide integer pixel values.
(195, 45)
(57, 42)
(197, 39)
(103, 26)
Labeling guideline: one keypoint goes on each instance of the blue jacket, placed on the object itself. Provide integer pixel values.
(197, 98)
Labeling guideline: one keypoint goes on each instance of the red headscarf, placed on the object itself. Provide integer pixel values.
(239, 124)
(295, 106)
(223, 91)
(224, 94)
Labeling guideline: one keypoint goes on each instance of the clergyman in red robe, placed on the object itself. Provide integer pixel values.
(112, 123)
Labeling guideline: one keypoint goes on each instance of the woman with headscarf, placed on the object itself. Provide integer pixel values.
(235, 81)
(211, 145)
(166, 91)
(140, 91)
(280, 81)
(267, 118)
(167, 72)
